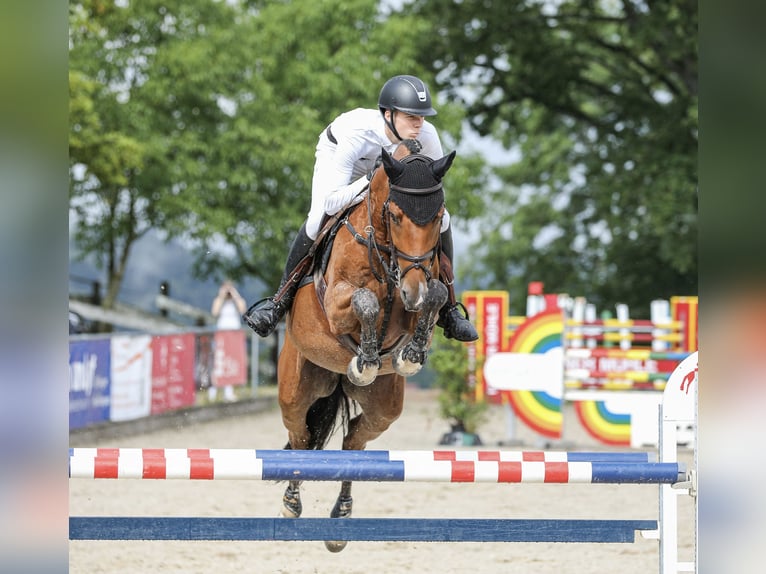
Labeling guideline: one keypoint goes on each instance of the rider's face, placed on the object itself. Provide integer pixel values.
(407, 125)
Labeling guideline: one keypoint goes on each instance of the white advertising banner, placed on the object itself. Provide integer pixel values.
(131, 377)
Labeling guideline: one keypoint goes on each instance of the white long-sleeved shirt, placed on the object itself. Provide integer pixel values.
(340, 170)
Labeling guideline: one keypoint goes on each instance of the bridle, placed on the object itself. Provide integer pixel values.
(392, 272)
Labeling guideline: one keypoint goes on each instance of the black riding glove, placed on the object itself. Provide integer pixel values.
(375, 166)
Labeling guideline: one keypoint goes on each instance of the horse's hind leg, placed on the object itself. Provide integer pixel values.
(301, 384)
(342, 509)
(381, 404)
(291, 500)
(363, 368)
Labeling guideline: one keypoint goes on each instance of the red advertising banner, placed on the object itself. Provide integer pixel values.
(686, 310)
(494, 308)
(487, 310)
(229, 358)
(469, 300)
(172, 372)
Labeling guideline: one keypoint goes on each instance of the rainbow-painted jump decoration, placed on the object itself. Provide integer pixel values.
(610, 420)
(602, 424)
(532, 369)
(539, 409)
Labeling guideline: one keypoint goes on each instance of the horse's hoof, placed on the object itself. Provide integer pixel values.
(335, 545)
(342, 509)
(405, 367)
(359, 375)
(288, 513)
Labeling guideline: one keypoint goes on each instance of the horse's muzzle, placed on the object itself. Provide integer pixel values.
(413, 295)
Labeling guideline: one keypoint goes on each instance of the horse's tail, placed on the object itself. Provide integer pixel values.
(324, 414)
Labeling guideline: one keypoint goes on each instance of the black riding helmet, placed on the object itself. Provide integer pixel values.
(407, 94)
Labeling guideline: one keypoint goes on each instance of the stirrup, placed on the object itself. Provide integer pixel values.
(459, 305)
(445, 311)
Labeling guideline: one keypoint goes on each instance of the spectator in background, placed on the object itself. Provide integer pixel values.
(78, 324)
(228, 307)
(75, 323)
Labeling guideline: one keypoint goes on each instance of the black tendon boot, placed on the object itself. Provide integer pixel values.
(453, 317)
(264, 315)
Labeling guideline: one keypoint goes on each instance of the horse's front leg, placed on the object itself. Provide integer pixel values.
(363, 368)
(413, 355)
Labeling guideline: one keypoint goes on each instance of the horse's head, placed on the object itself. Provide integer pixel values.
(412, 214)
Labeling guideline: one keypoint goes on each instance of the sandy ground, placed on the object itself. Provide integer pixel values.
(419, 428)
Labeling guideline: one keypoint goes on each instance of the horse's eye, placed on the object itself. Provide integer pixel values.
(396, 219)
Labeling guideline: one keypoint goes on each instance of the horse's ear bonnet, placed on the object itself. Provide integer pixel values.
(417, 188)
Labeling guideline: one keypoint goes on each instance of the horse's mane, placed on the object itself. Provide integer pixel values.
(412, 146)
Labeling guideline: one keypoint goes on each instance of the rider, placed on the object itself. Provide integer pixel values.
(346, 153)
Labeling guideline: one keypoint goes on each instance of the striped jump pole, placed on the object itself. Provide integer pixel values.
(376, 466)
(83, 454)
(619, 369)
(636, 354)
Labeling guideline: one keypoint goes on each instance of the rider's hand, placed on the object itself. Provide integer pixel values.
(375, 166)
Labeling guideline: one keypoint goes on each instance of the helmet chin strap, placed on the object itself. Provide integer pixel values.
(390, 123)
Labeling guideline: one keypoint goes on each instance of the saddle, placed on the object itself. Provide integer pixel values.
(324, 243)
(315, 263)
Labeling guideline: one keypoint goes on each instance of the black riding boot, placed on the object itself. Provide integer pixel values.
(264, 315)
(454, 322)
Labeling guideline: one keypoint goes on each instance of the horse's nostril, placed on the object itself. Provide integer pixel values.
(412, 299)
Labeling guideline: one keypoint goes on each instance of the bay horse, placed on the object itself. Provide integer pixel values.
(368, 322)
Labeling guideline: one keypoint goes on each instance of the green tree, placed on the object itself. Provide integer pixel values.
(449, 361)
(145, 115)
(199, 119)
(598, 102)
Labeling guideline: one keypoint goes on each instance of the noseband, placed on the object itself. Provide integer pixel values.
(415, 261)
(392, 272)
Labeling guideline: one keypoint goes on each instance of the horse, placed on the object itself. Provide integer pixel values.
(367, 324)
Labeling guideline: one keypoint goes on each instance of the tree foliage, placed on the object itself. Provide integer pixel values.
(199, 119)
(449, 361)
(597, 100)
